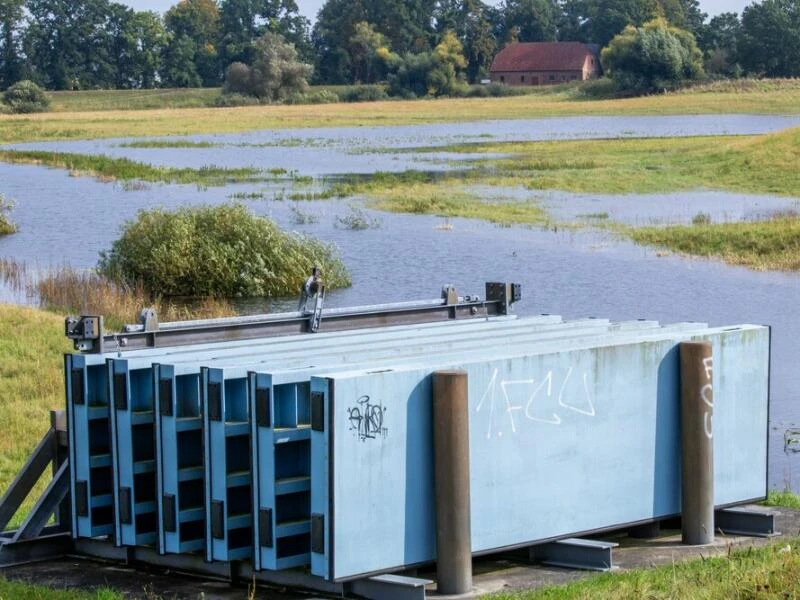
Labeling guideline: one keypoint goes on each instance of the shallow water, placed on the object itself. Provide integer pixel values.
(321, 152)
(66, 219)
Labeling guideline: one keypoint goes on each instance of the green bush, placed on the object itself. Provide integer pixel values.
(26, 97)
(7, 226)
(232, 100)
(221, 251)
(363, 93)
(653, 57)
(314, 97)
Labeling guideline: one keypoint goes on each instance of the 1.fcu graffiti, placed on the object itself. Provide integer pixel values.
(527, 399)
(366, 419)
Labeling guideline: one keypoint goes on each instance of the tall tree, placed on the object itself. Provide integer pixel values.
(469, 20)
(11, 13)
(194, 28)
(770, 40)
(529, 21)
(67, 44)
(607, 18)
(244, 21)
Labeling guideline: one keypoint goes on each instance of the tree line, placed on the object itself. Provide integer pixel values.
(98, 44)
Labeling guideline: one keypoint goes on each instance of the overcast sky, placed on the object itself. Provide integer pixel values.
(310, 7)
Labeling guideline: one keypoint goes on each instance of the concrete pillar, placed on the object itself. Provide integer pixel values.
(697, 443)
(451, 469)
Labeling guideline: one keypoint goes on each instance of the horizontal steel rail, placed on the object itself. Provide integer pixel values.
(88, 336)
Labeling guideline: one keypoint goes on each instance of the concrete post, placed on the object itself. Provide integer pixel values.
(697, 443)
(451, 469)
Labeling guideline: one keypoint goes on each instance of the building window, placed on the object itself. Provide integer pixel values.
(522, 79)
(502, 78)
(552, 77)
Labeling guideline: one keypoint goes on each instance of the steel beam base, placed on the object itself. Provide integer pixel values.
(390, 587)
(741, 521)
(576, 553)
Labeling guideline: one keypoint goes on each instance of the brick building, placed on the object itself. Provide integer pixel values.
(545, 63)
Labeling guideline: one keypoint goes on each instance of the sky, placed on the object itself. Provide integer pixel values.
(309, 8)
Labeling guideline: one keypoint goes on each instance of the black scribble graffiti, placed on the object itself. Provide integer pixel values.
(366, 419)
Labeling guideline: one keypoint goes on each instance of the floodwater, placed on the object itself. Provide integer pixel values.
(581, 273)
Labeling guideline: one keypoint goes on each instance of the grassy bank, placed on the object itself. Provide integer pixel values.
(12, 590)
(768, 572)
(123, 169)
(768, 245)
(779, 98)
(764, 164)
(32, 343)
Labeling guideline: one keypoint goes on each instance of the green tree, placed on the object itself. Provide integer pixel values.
(770, 40)
(529, 20)
(11, 66)
(277, 73)
(194, 31)
(363, 51)
(652, 57)
(470, 20)
(720, 44)
(433, 73)
(607, 18)
(244, 21)
(407, 25)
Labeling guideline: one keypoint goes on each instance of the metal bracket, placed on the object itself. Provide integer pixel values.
(741, 521)
(576, 553)
(148, 319)
(504, 293)
(390, 587)
(316, 316)
(86, 333)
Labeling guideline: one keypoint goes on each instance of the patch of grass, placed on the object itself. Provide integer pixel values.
(765, 164)
(109, 169)
(762, 245)
(32, 345)
(301, 217)
(102, 123)
(247, 196)
(784, 498)
(167, 144)
(595, 216)
(131, 100)
(449, 199)
(764, 572)
(357, 220)
(16, 590)
(7, 226)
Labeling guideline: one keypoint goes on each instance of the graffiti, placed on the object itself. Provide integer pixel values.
(707, 395)
(366, 419)
(526, 397)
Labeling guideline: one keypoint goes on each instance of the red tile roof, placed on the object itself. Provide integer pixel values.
(542, 56)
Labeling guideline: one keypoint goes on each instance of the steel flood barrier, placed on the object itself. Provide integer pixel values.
(315, 451)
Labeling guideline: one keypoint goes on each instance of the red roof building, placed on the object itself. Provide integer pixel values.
(545, 63)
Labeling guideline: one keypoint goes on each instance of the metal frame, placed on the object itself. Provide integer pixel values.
(86, 331)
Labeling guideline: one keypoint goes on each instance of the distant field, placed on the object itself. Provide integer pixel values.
(101, 114)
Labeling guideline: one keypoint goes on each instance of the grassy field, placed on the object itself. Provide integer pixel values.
(748, 573)
(12, 590)
(32, 344)
(87, 116)
(767, 245)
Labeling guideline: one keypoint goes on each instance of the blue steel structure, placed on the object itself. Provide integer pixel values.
(315, 451)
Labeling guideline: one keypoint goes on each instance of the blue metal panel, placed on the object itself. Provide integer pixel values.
(227, 467)
(546, 431)
(90, 453)
(322, 465)
(179, 464)
(133, 454)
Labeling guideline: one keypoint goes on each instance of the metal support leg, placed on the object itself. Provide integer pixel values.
(45, 507)
(26, 479)
(390, 587)
(740, 521)
(575, 553)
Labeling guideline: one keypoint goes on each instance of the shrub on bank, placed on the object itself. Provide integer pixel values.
(222, 251)
(7, 226)
(26, 97)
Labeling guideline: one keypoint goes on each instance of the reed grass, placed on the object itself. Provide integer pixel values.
(71, 291)
(106, 168)
(7, 226)
(762, 245)
(784, 98)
